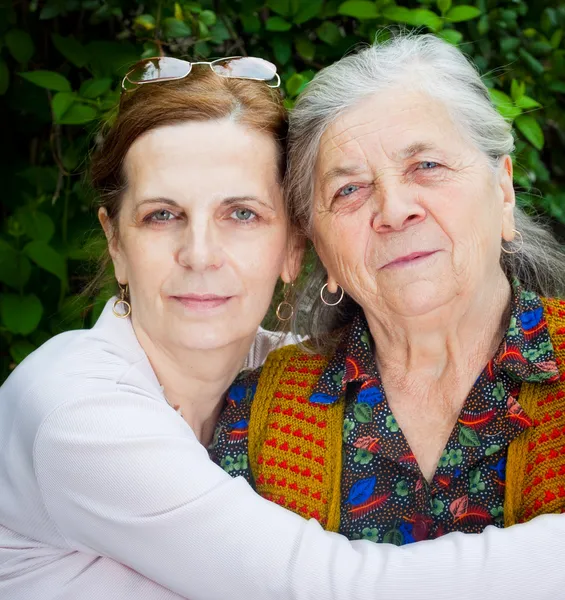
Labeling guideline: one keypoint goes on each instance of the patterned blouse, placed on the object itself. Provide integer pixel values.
(385, 498)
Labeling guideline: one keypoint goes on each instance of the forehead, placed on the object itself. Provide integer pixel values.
(211, 155)
(395, 122)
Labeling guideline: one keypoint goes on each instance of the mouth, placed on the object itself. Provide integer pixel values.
(409, 259)
(202, 302)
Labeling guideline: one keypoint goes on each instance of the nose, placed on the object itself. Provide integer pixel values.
(398, 207)
(199, 246)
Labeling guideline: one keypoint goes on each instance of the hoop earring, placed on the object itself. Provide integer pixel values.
(330, 303)
(285, 310)
(122, 300)
(519, 247)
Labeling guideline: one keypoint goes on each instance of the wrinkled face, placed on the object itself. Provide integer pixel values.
(202, 233)
(407, 213)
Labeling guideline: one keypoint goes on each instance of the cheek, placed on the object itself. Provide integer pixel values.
(149, 258)
(259, 259)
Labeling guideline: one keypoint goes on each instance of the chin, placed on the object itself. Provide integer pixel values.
(419, 297)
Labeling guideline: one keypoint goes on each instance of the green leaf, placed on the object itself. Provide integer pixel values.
(174, 28)
(556, 38)
(277, 24)
(37, 224)
(20, 349)
(393, 536)
(20, 314)
(462, 13)
(363, 412)
(219, 33)
(50, 11)
(48, 79)
(308, 10)
(4, 77)
(416, 17)
(443, 5)
(19, 44)
(78, 114)
(47, 258)
(251, 23)
(329, 32)
(517, 89)
(71, 49)
(504, 104)
(282, 48)
(15, 268)
(359, 9)
(208, 17)
(145, 22)
(305, 48)
(533, 63)
(531, 130)
(527, 103)
(468, 437)
(60, 103)
(557, 86)
(295, 83)
(93, 88)
(281, 7)
(451, 35)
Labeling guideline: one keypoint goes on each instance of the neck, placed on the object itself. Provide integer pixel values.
(449, 341)
(195, 380)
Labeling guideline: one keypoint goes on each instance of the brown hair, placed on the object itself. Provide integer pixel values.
(202, 96)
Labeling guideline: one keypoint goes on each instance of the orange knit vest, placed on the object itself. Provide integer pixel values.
(295, 447)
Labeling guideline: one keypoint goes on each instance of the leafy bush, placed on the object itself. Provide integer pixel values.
(61, 62)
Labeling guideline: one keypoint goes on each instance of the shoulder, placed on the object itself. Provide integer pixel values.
(266, 342)
(73, 366)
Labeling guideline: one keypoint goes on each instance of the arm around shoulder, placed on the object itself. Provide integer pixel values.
(123, 476)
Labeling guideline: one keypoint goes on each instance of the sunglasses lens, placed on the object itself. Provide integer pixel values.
(245, 67)
(156, 69)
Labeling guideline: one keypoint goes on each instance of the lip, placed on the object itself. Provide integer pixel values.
(409, 259)
(202, 302)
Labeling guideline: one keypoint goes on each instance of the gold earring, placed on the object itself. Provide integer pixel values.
(518, 248)
(122, 300)
(285, 310)
(331, 303)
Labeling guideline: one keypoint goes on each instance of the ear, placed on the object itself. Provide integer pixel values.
(113, 246)
(508, 198)
(293, 259)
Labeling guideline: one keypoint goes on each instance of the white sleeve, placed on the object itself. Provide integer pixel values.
(124, 477)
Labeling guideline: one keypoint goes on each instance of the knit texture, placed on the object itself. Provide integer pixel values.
(535, 472)
(295, 445)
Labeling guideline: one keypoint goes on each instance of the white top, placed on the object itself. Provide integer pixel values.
(106, 494)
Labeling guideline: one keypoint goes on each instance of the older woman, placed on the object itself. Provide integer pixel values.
(436, 402)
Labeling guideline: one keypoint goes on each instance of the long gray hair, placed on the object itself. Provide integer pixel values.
(427, 63)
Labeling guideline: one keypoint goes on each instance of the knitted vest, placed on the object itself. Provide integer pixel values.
(295, 446)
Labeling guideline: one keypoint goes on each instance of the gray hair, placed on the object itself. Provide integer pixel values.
(429, 64)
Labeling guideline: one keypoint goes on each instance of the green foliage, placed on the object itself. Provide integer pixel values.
(61, 64)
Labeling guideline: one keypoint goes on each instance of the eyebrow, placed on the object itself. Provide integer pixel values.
(413, 149)
(341, 172)
(229, 201)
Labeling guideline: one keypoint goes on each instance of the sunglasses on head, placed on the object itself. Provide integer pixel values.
(166, 68)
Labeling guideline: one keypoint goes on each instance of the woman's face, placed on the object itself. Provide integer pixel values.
(407, 213)
(202, 233)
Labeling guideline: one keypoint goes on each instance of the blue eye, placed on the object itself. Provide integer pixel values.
(348, 190)
(161, 216)
(243, 214)
(428, 164)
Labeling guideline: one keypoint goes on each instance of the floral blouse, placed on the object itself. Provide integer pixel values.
(385, 497)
